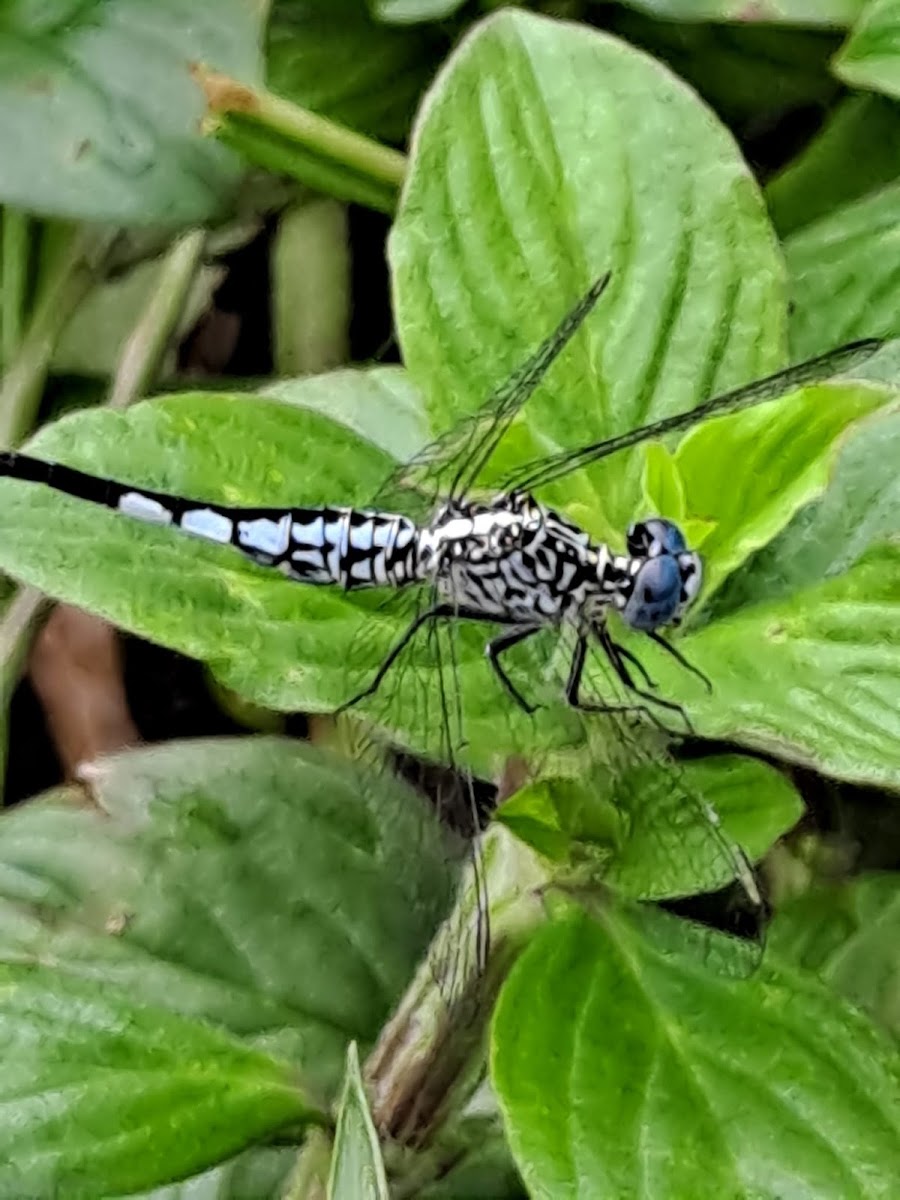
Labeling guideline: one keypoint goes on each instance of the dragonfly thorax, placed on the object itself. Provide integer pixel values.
(517, 561)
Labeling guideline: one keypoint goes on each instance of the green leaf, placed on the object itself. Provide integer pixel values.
(843, 276)
(410, 12)
(103, 1094)
(255, 883)
(653, 832)
(628, 1063)
(93, 340)
(870, 58)
(100, 112)
(789, 12)
(258, 631)
(545, 154)
(855, 153)
(357, 1171)
(826, 538)
(380, 404)
(848, 935)
(663, 490)
(812, 676)
(340, 62)
(749, 73)
(671, 847)
(749, 473)
(258, 1174)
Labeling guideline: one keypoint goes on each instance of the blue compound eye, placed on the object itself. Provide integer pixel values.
(656, 535)
(656, 595)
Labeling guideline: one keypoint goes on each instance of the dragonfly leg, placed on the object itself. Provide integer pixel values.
(611, 650)
(573, 691)
(497, 646)
(430, 614)
(679, 658)
(635, 662)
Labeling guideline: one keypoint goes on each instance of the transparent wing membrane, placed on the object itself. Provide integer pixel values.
(540, 472)
(450, 465)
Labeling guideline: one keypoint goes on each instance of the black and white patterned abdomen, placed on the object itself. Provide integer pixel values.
(349, 547)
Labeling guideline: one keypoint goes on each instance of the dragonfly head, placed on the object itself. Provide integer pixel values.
(667, 577)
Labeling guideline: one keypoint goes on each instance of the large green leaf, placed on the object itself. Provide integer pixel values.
(844, 278)
(258, 1174)
(855, 153)
(749, 73)
(633, 1065)
(812, 676)
(100, 113)
(101, 1093)
(337, 60)
(790, 12)
(870, 58)
(275, 890)
(848, 934)
(545, 154)
(748, 474)
(650, 832)
(826, 538)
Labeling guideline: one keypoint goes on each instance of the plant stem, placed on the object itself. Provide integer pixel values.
(70, 277)
(430, 1056)
(14, 288)
(320, 153)
(309, 1177)
(22, 388)
(150, 338)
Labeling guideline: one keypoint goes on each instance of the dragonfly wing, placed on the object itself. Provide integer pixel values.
(449, 466)
(843, 361)
(414, 723)
(673, 843)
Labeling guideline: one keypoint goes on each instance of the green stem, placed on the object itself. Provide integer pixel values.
(151, 336)
(22, 388)
(431, 1054)
(309, 1178)
(15, 256)
(70, 278)
(312, 149)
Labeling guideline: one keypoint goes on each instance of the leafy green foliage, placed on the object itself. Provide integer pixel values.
(338, 60)
(536, 116)
(848, 935)
(185, 966)
(844, 274)
(790, 12)
(196, 891)
(110, 1095)
(100, 112)
(854, 153)
(645, 833)
(680, 1099)
(871, 56)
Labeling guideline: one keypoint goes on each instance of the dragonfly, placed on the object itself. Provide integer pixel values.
(511, 561)
(508, 561)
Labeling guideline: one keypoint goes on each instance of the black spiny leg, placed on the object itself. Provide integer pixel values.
(679, 658)
(612, 653)
(430, 614)
(497, 646)
(625, 653)
(573, 689)
(436, 613)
